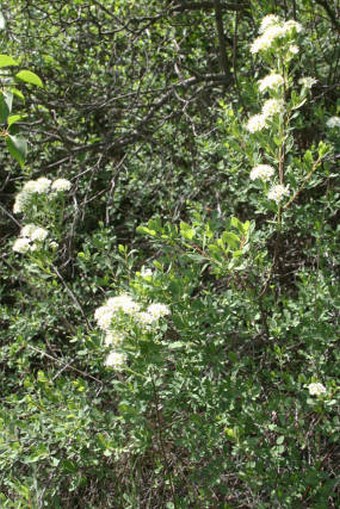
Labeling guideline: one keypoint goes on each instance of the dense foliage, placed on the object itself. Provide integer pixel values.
(168, 319)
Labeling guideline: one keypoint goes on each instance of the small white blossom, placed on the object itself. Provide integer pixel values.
(146, 272)
(20, 202)
(122, 303)
(316, 389)
(116, 360)
(34, 233)
(277, 192)
(291, 26)
(22, 245)
(39, 234)
(40, 186)
(333, 122)
(103, 316)
(293, 49)
(145, 318)
(262, 171)
(268, 21)
(307, 82)
(266, 40)
(271, 82)
(61, 185)
(272, 107)
(53, 245)
(113, 338)
(256, 123)
(157, 310)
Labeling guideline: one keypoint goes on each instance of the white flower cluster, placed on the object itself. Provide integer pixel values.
(29, 239)
(316, 389)
(108, 316)
(42, 185)
(262, 171)
(272, 29)
(153, 313)
(256, 123)
(333, 122)
(122, 303)
(259, 121)
(307, 82)
(271, 82)
(277, 192)
(116, 360)
(272, 107)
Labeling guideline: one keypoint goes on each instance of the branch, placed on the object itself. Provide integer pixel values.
(221, 38)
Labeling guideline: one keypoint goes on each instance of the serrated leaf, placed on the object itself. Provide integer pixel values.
(17, 147)
(7, 61)
(29, 77)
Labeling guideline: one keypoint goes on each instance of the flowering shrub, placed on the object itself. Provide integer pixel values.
(172, 352)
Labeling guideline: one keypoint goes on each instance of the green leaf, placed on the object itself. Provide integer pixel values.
(18, 93)
(2, 21)
(12, 119)
(7, 61)
(29, 77)
(186, 231)
(6, 100)
(231, 239)
(17, 147)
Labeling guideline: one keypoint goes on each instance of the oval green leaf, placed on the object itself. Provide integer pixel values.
(7, 61)
(29, 77)
(17, 147)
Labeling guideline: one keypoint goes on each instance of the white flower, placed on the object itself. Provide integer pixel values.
(20, 202)
(39, 234)
(34, 233)
(22, 245)
(146, 272)
(157, 310)
(116, 360)
(53, 245)
(271, 82)
(145, 318)
(333, 122)
(262, 171)
(266, 40)
(307, 82)
(40, 186)
(277, 192)
(103, 316)
(113, 338)
(291, 26)
(268, 21)
(124, 303)
(316, 389)
(293, 49)
(256, 123)
(61, 185)
(272, 107)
